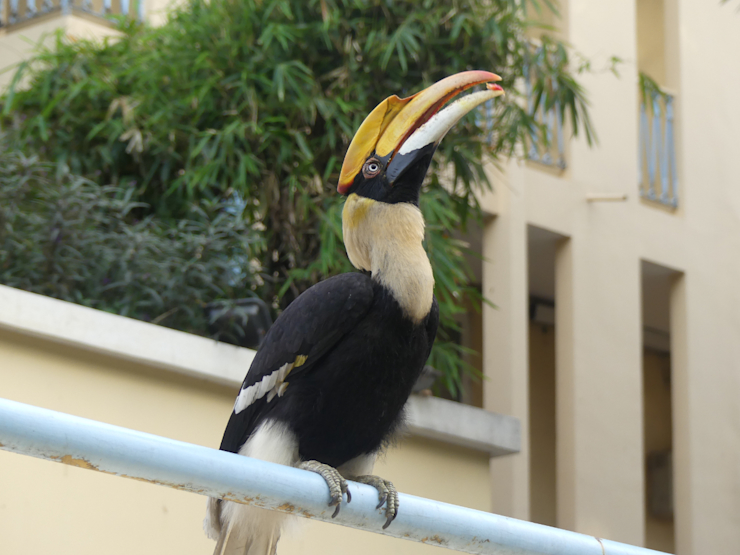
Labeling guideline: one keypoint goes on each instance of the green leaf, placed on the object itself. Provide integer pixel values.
(249, 107)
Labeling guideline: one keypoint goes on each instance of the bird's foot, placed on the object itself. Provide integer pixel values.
(337, 484)
(387, 494)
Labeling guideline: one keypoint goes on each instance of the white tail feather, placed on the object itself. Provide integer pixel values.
(242, 529)
(248, 530)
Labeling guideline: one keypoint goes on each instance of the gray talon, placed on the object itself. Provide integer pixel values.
(336, 483)
(387, 495)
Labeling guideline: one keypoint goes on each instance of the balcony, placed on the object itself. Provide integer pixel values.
(545, 142)
(17, 12)
(546, 145)
(657, 153)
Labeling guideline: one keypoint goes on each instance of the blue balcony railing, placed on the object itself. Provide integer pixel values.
(546, 148)
(14, 12)
(657, 151)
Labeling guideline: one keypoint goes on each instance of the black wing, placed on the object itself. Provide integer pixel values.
(305, 331)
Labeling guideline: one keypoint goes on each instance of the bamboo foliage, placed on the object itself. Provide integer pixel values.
(259, 99)
(64, 236)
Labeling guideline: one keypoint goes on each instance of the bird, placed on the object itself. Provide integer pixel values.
(327, 387)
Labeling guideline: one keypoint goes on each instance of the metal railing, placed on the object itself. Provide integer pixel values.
(484, 118)
(127, 453)
(657, 151)
(549, 149)
(14, 12)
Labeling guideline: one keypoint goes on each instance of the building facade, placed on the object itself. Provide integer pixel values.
(615, 334)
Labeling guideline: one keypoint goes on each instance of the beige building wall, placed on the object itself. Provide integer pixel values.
(48, 507)
(19, 42)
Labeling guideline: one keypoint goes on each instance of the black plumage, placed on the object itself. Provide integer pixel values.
(362, 359)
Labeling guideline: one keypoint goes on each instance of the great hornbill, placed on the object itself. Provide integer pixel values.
(326, 389)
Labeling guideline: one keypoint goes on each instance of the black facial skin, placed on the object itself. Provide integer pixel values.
(399, 181)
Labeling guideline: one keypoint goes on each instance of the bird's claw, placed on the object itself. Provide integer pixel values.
(337, 484)
(387, 495)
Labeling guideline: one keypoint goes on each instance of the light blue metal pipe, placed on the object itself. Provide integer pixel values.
(85, 443)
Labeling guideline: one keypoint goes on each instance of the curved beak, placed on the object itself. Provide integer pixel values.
(399, 130)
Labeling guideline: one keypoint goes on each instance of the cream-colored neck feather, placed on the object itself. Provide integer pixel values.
(386, 239)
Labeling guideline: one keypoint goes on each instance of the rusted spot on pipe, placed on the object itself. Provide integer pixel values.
(82, 463)
(255, 501)
(79, 463)
(172, 485)
(435, 539)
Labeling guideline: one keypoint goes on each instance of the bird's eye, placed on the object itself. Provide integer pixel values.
(372, 168)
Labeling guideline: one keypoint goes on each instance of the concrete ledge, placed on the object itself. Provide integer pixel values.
(463, 425)
(184, 353)
(121, 337)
